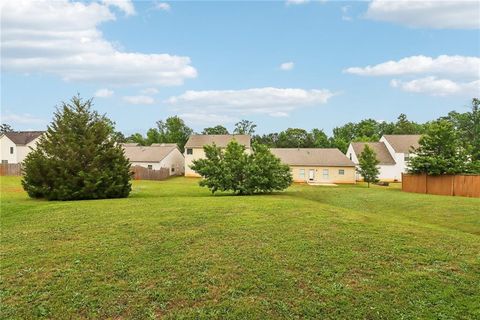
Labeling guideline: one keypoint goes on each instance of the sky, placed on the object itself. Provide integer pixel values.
(281, 64)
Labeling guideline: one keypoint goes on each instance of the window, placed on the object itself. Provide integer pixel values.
(11, 150)
(350, 156)
(301, 173)
(406, 157)
(4, 161)
(149, 166)
(325, 173)
(189, 151)
(173, 169)
(341, 172)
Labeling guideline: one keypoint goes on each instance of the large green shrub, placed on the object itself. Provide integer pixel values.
(78, 157)
(240, 172)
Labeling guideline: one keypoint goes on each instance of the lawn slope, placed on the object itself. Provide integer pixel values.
(172, 250)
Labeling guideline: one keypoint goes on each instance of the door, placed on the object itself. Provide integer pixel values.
(311, 175)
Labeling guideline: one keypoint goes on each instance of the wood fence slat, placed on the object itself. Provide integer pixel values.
(10, 169)
(141, 173)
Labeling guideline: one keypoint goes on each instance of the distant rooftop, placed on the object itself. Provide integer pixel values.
(23, 137)
(220, 140)
(328, 157)
(379, 148)
(154, 153)
(402, 143)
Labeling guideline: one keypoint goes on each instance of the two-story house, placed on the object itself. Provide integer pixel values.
(15, 145)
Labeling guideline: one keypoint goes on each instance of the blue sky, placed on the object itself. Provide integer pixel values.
(280, 64)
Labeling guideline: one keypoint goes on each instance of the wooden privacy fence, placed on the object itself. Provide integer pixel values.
(141, 173)
(448, 185)
(10, 169)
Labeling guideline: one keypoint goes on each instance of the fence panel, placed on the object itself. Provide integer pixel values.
(141, 173)
(10, 169)
(458, 185)
(414, 183)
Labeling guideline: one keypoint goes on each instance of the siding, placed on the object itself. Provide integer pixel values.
(333, 174)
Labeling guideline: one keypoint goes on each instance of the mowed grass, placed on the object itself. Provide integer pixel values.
(173, 251)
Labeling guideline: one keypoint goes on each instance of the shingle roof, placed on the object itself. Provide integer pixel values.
(402, 143)
(380, 149)
(220, 140)
(154, 153)
(23, 137)
(329, 157)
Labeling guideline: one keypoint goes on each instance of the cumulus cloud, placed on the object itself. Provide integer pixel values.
(140, 99)
(286, 66)
(149, 91)
(275, 102)
(441, 76)
(163, 6)
(103, 93)
(125, 5)
(24, 118)
(437, 87)
(207, 118)
(436, 14)
(62, 38)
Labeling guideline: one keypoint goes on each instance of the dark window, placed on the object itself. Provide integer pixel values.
(4, 161)
(173, 169)
(189, 151)
(350, 156)
(11, 150)
(150, 166)
(341, 172)
(406, 157)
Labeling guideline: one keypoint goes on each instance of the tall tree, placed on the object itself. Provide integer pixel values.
(4, 128)
(440, 151)
(405, 126)
(215, 130)
(368, 165)
(77, 158)
(174, 130)
(244, 127)
(294, 138)
(137, 138)
(320, 139)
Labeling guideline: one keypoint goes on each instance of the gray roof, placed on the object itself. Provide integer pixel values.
(153, 153)
(328, 157)
(220, 140)
(383, 155)
(23, 137)
(402, 143)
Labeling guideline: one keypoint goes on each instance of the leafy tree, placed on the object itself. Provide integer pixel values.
(4, 128)
(294, 138)
(235, 170)
(440, 151)
(77, 158)
(215, 130)
(270, 140)
(405, 126)
(368, 164)
(137, 138)
(244, 127)
(320, 139)
(173, 130)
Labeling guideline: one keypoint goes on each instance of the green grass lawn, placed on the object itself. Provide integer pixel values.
(171, 250)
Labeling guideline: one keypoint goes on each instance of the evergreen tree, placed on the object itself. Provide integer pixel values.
(77, 158)
(368, 163)
(440, 151)
(4, 128)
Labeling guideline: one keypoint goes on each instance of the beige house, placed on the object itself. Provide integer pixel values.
(393, 152)
(194, 147)
(156, 156)
(317, 165)
(14, 146)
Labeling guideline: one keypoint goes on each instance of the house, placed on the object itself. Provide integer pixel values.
(156, 156)
(15, 145)
(317, 165)
(194, 147)
(393, 152)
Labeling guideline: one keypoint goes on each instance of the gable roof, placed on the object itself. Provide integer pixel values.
(220, 140)
(328, 157)
(380, 149)
(153, 153)
(402, 143)
(23, 137)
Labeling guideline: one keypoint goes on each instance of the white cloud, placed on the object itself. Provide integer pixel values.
(437, 87)
(149, 91)
(437, 14)
(207, 118)
(286, 66)
(103, 93)
(274, 102)
(294, 2)
(441, 76)
(24, 118)
(125, 5)
(139, 99)
(442, 65)
(345, 13)
(163, 6)
(62, 38)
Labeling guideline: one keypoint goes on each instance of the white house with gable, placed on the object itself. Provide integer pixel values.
(393, 152)
(156, 156)
(15, 145)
